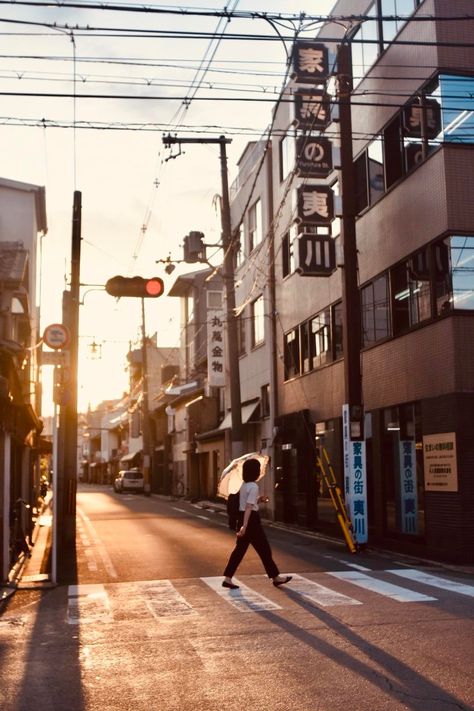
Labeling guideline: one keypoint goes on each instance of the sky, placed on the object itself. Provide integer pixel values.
(137, 202)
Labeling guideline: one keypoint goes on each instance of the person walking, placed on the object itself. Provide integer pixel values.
(250, 530)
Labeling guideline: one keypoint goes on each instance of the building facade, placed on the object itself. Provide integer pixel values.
(412, 157)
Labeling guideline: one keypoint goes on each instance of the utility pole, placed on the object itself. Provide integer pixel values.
(67, 459)
(145, 410)
(228, 275)
(355, 484)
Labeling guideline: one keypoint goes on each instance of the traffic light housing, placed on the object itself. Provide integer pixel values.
(135, 287)
(194, 248)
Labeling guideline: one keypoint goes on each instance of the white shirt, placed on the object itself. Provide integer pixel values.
(249, 494)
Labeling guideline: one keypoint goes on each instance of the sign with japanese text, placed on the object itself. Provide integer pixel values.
(215, 348)
(408, 487)
(312, 110)
(413, 119)
(313, 157)
(315, 204)
(315, 255)
(355, 479)
(440, 462)
(310, 62)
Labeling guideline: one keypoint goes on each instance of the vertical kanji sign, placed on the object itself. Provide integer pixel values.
(310, 62)
(355, 479)
(408, 487)
(215, 348)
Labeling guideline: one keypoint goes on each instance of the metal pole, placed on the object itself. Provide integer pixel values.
(232, 341)
(145, 409)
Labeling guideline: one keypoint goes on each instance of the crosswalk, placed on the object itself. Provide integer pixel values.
(159, 599)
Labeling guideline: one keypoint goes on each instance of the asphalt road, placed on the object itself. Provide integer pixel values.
(146, 625)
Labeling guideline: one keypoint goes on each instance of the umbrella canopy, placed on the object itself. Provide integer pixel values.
(231, 478)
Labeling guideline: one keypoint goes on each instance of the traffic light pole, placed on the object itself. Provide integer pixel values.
(228, 274)
(145, 409)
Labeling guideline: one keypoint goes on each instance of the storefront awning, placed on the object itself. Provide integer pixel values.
(247, 412)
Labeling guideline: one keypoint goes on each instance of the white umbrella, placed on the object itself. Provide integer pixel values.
(231, 478)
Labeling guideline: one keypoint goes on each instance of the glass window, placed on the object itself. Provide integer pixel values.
(364, 46)
(402, 9)
(375, 311)
(287, 155)
(238, 249)
(257, 314)
(360, 179)
(375, 170)
(320, 336)
(306, 347)
(255, 225)
(462, 271)
(456, 95)
(292, 354)
(241, 334)
(265, 401)
(411, 292)
(336, 328)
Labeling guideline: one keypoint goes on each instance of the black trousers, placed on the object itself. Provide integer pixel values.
(254, 535)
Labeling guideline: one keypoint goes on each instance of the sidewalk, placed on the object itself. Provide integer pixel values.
(32, 573)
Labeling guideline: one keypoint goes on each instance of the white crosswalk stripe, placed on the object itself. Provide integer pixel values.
(244, 599)
(318, 594)
(381, 587)
(420, 576)
(159, 599)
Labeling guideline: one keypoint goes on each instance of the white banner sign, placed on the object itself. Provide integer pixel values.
(355, 480)
(408, 486)
(440, 462)
(215, 348)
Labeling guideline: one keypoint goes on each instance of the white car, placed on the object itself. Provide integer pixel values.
(129, 480)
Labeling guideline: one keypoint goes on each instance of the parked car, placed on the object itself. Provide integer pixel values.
(129, 480)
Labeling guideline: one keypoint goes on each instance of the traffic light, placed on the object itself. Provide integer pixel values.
(135, 286)
(194, 248)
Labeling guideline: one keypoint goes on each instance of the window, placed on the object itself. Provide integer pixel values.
(456, 96)
(287, 155)
(375, 311)
(411, 292)
(337, 331)
(265, 401)
(214, 300)
(292, 354)
(241, 346)
(238, 250)
(375, 35)
(369, 175)
(320, 338)
(461, 259)
(255, 225)
(257, 314)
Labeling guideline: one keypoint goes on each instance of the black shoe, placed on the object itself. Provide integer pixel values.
(277, 583)
(225, 584)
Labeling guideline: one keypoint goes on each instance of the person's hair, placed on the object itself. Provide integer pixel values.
(251, 470)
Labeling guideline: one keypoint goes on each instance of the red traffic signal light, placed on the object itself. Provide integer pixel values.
(135, 287)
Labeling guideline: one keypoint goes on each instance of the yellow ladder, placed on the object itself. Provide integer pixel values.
(345, 523)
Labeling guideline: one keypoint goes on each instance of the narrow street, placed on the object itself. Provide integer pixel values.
(147, 625)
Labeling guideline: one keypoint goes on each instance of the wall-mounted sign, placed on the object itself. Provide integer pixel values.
(215, 348)
(440, 462)
(312, 110)
(408, 487)
(310, 62)
(315, 255)
(315, 204)
(313, 157)
(355, 479)
(56, 336)
(413, 119)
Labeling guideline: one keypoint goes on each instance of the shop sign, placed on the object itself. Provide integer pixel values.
(355, 479)
(413, 119)
(408, 487)
(315, 205)
(440, 462)
(315, 255)
(310, 62)
(312, 110)
(313, 157)
(215, 348)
